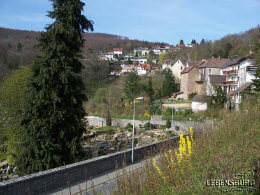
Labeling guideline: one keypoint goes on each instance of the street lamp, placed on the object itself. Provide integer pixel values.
(132, 157)
(172, 101)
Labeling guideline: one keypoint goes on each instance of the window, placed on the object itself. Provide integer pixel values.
(210, 71)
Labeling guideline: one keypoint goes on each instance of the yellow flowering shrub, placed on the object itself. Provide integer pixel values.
(158, 169)
(146, 114)
(128, 105)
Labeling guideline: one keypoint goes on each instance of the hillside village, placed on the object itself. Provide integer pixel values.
(233, 75)
(86, 112)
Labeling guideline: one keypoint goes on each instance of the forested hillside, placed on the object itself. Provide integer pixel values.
(232, 45)
(19, 47)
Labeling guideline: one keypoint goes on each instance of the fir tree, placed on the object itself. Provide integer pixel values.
(169, 86)
(53, 115)
(131, 86)
(149, 89)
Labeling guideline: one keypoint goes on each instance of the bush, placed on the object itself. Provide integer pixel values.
(155, 109)
(148, 126)
(170, 111)
(168, 124)
(187, 112)
(129, 126)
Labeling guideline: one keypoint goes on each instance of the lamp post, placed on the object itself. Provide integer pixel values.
(133, 138)
(172, 101)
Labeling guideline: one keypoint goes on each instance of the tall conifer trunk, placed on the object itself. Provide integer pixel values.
(53, 120)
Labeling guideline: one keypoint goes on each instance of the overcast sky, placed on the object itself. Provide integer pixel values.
(151, 20)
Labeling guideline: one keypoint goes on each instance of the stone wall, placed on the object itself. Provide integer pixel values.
(57, 179)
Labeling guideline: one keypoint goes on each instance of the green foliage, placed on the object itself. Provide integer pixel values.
(191, 95)
(168, 124)
(166, 55)
(131, 86)
(94, 74)
(150, 90)
(155, 109)
(19, 47)
(169, 85)
(170, 111)
(12, 100)
(129, 126)
(193, 41)
(218, 99)
(148, 126)
(108, 118)
(53, 115)
(187, 112)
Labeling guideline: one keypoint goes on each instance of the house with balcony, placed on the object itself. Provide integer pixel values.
(139, 60)
(110, 56)
(246, 75)
(142, 51)
(230, 71)
(158, 50)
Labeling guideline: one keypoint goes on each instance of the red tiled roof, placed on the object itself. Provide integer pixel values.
(117, 49)
(145, 66)
(214, 63)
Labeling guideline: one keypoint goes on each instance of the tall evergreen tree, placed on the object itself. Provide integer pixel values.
(53, 115)
(169, 85)
(149, 89)
(131, 86)
(202, 42)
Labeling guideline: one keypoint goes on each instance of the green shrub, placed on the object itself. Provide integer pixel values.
(129, 126)
(168, 124)
(170, 111)
(187, 112)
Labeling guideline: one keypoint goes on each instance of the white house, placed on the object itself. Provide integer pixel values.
(140, 70)
(118, 51)
(110, 55)
(176, 67)
(139, 60)
(127, 56)
(246, 75)
(127, 69)
(158, 50)
(143, 51)
(246, 72)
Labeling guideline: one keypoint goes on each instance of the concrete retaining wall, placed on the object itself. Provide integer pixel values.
(56, 179)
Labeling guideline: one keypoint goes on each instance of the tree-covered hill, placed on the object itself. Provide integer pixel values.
(19, 47)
